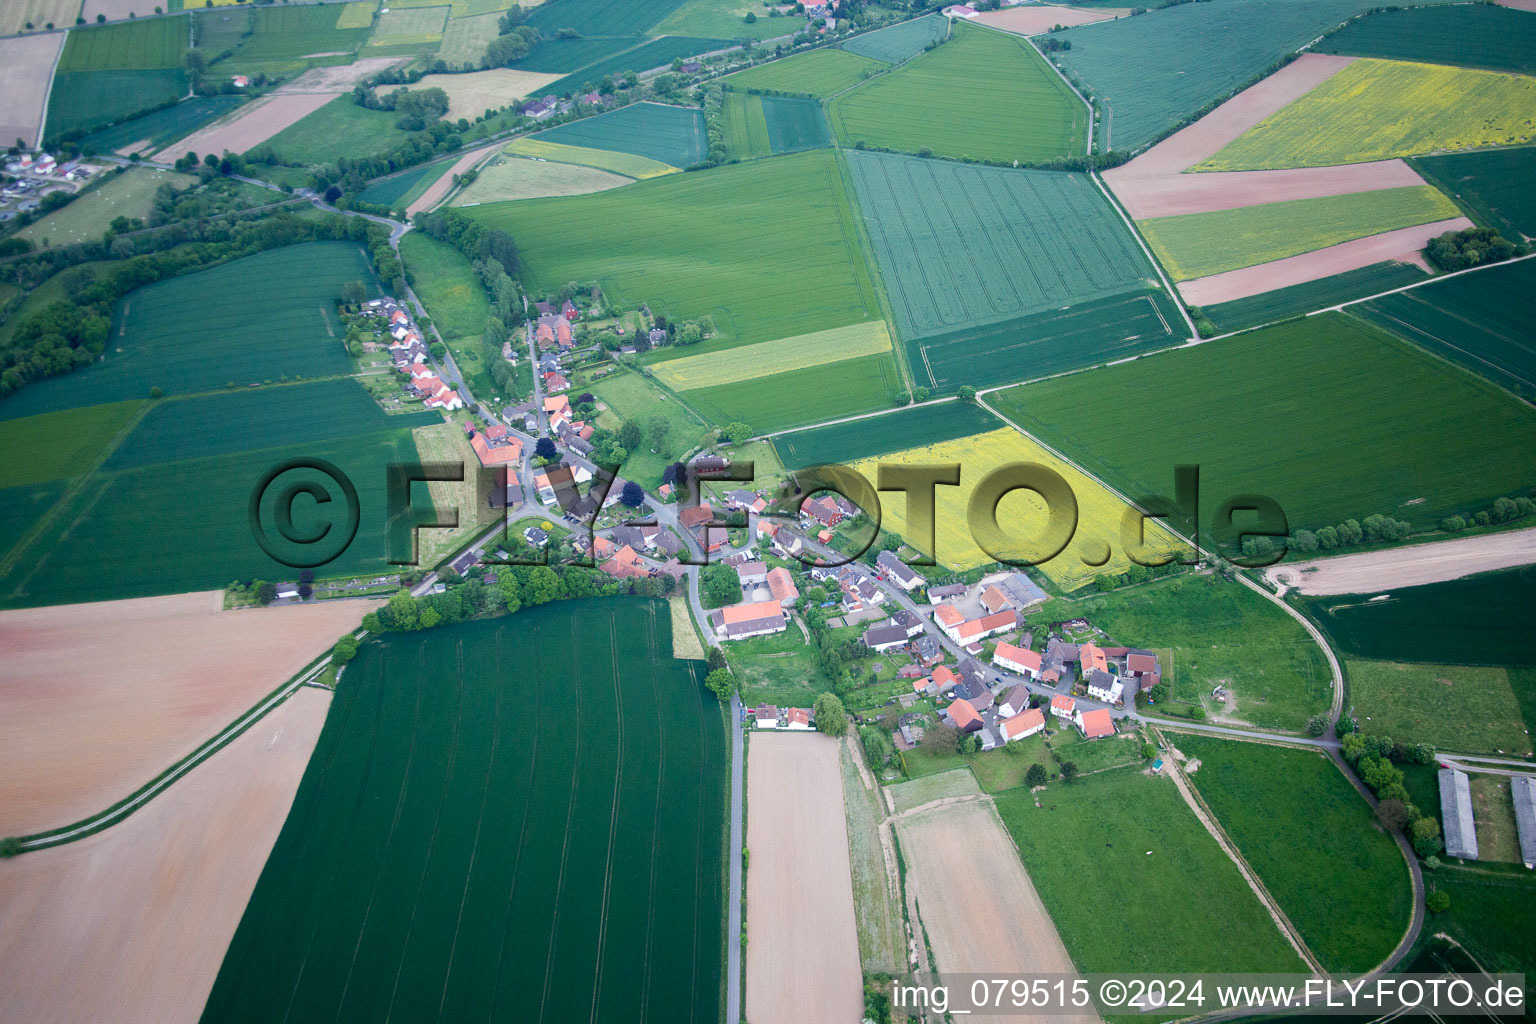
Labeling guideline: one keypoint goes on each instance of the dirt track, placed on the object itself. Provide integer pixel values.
(97, 699)
(444, 184)
(802, 942)
(993, 920)
(1403, 245)
(1412, 566)
(1035, 19)
(131, 924)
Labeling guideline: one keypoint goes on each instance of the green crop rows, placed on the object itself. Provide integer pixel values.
(1471, 35)
(795, 124)
(1493, 183)
(1282, 303)
(601, 17)
(162, 127)
(656, 53)
(673, 135)
(393, 190)
(984, 95)
(151, 43)
(899, 42)
(746, 129)
(288, 33)
(881, 435)
(514, 819)
(83, 101)
(794, 397)
(56, 445)
(768, 248)
(1323, 406)
(819, 73)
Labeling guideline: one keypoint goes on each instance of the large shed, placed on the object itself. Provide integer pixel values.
(1456, 814)
(1523, 790)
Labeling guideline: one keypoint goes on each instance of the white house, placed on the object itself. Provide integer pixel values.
(898, 572)
(752, 573)
(1022, 726)
(1063, 706)
(1019, 660)
(797, 719)
(1105, 687)
(1015, 703)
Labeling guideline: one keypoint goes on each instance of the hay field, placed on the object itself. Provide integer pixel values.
(507, 178)
(26, 68)
(101, 698)
(465, 39)
(983, 94)
(103, 928)
(17, 15)
(1195, 245)
(357, 14)
(130, 194)
(473, 94)
(768, 358)
(1455, 707)
(802, 948)
(559, 857)
(627, 164)
(820, 73)
(1378, 109)
(408, 26)
(1021, 514)
(1008, 931)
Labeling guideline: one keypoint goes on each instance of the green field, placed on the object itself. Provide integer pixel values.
(161, 127)
(820, 73)
(340, 128)
(672, 135)
(465, 39)
(1201, 244)
(630, 397)
(446, 284)
(1282, 303)
(1376, 110)
(1492, 184)
(779, 668)
(1210, 632)
(259, 318)
(21, 507)
(793, 398)
(745, 127)
(130, 194)
(58, 445)
(1338, 877)
(1470, 35)
(657, 53)
(1454, 707)
(395, 191)
(1481, 321)
(723, 19)
(481, 842)
(602, 17)
(121, 45)
(1293, 392)
(769, 248)
(983, 95)
(882, 435)
(1493, 916)
(83, 101)
(1148, 76)
(1480, 620)
(563, 55)
(795, 123)
(1183, 908)
(972, 255)
(409, 27)
(505, 178)
(899, 42)
(289, 33)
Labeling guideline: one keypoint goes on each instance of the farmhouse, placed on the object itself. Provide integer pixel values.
(1022, 726)
(885, 638)
(1016, 659)
(1016, 702)
(1105, 687)
(625, 564)
(752, 573)
(755, 618)
(797, 719)
(782, 586)
(1523, 790)
(1091, 658)
(898, 572)
(968, 631)
(1094, 724)
(765, 716)
(963, 716)
(1456, 814)
(1063, 707)
(494, 446)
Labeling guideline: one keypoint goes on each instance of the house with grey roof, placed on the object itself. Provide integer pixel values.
(1523, 789)
(885, 638)
(1456, 814)
(897, 571)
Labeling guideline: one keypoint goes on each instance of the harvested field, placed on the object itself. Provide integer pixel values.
(1412, 566)
(249, 126)
(26, 68)
(160, 128)
(1174, 194)
(16, 14)
(473, 94)
(1008, 931)
(1519, 5)
(444, 184)
(802, 940)
(1404, 245)
(507, 178)
(100, 698)
(131, 924)
(1033, 20)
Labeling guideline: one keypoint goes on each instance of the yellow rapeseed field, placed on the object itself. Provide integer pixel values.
(1021, 513)
(751, 361)
(1379, 109)
(627, 164)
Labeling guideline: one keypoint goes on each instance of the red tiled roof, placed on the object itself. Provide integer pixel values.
(1098, 722)
(1061, 702)
(1018, 655)
(781, 584)
(962, 713)
(750, 611)
(1023, 723)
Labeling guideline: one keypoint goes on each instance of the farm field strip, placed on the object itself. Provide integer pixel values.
(793, 398)
(26, 71)
(820, 73)
(627, 164)
(1036, 19)
(1174, 194)
(1469, 35)
(878, 435)
(899, 42)
(766, 358)
(672, 135)
(745, 126)
(247, 127)
(508, 178)
(1324, 293)
(795, 123)
(1491, 183)
(1411, 566)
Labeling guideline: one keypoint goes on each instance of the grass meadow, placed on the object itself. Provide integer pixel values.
(1294, 393)
(1468, 35)
(630, 396)
(408, 26)
(1479, 321)
(722, 19)
(899, 42)
(446, 285)
(1454, 707)
(506, 178)
(465, 39)
(1195, 245)
(880, 435)
(936, 103)
(1164, 896)
(130, 194)
(820, 73)
(1339, 878)
(568, 739)
(770, 249)
(1378, 109)
(1493, 811)
(341, 126)
(1493, 916)
(735, 365)
(670, 135)
(627, 164)
(289, 33)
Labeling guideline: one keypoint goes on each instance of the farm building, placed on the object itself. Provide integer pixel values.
(755, 618)
(1523, 790)
(752, 573)
(885, 638)
(1105, 687)
(1063, 706)
(1091, 658)
(1023, 725)
(1015, 702)
(897, 571)
(782, 586)
(1017, 659)
(1456, 814)
(1094, 724)
(1022, 592)
(963, 716)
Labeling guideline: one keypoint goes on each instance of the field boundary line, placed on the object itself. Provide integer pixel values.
(53, 74)
(1178, 301)
(1407, 287)
(125, 807)
(860, 416)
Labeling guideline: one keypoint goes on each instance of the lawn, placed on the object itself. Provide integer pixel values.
(1210, 632)
(776, 669)
(881, 435)
(1069, 747)
(723, 19)
(670, 135)
(1283, 303)
(1479, 321)
(340, 128)
(58, 445)
(1168, 899)
(1454, 707)
(196, 333)
(1378, 109)
(627, 164)
(1201, 244)
(629, 396)
(161, 127)
(1493, 811)
(130, 194)
(971, 256)
(821, 73)
(1339, 878)
(606, 811)
(1492, 184)
(769, 249)
(508, 177)
(1292, 392)
(932, 104)
(1023, 511)
(83, 101)
(745, 127)
(899, 42)
(1469, 35)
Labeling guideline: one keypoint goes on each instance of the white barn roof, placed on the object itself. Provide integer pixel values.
(1524, 792)
(1456, 814)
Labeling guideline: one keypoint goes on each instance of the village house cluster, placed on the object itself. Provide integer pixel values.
(409, 354)
(35, 175)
